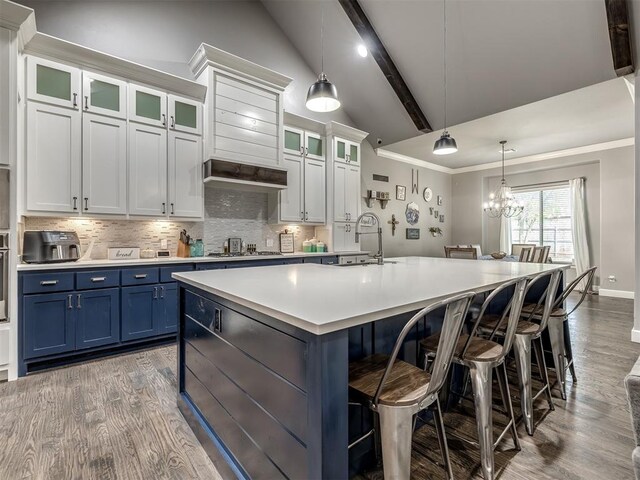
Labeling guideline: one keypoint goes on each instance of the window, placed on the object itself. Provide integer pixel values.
(546, 220)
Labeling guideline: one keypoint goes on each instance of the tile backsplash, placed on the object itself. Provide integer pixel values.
(228, 213)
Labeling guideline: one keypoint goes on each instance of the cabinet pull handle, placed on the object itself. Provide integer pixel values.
(173, 122)
(164, 120)
(172, 209)
(75, 100)
(69, 302)
(140, 275)
(217, 320)
(75, 203)
(301, 150)
(155, 293)
(306, 215)
(306, 151)
(86, 102)
(48, 283)
(164, 208)
(98, 279)
(161, 292)
(86, 203)
(79, 304)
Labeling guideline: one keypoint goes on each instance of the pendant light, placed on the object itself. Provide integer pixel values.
(446, 144)
(322, 95)
(502, 202)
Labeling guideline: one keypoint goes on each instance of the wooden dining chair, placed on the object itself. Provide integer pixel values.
(469, 253)
(540, 254)
(516, 248)
(525, 254)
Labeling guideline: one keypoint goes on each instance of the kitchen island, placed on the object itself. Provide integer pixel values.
(263, 354)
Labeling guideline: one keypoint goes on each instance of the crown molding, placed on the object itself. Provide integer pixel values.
(58, 49)
(596, 147)
(295, 120)
(345, 131)
(210, 56)
(19, 19)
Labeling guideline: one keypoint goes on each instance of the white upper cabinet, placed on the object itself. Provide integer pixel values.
(185, 115)
(147, 170)
(314, 191)
(346, 151)
(292, 198)
(185, 176)
(147, 105)
(104, 164)
(53, 83)
(293, 139)
(53, 158)
(104, 95)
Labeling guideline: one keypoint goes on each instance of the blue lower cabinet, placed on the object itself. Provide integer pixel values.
(48, 324)
(98, 318)
(168, 321)
(139, 307)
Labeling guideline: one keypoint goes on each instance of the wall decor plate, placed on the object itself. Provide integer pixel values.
(427, 194)
(413, 233)
(401, 192)
(412, 213)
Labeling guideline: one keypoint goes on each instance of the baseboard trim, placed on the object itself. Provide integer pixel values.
(635, 335)
(616, 293)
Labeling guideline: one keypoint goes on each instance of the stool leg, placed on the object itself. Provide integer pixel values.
(503, 380)
(522, 350)
(481, 373)
(442, 439)
(568, 349)
(377, 438)
(556, 335)
(542, 366)
(396, 427)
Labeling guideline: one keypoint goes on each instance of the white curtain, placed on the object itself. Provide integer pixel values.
(579, 227)
(505, 235)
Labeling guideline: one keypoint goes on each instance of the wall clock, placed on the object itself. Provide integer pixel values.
(427, 194)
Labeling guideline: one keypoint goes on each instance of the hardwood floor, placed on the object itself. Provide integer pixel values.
(117, 419)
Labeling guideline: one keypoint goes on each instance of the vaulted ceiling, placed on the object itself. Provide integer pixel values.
(501, 54)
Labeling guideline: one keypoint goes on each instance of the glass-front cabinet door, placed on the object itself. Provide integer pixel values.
(353, 155)
(147, 106)
(53, 83)
(104, 95)
(341, 150)
(185, 115)
(293, 141)
(314, 146)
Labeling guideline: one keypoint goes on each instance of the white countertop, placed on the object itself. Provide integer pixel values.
(170, 260)
(325, 298)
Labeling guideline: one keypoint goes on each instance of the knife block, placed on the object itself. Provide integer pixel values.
(183, 250)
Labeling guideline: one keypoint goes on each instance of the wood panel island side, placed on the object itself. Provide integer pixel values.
(263, 354)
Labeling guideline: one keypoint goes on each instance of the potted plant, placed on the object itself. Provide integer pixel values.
(435, 231)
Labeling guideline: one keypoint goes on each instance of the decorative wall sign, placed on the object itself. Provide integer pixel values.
(412, 213)
(439, 200)
(441, 218)
(393, 223)
(286, 242)
(413, 233)
(380, 178)
(414, 183)
(435, 213)
(123, 253)
(401, 192)
(430, 210)
(427, 194)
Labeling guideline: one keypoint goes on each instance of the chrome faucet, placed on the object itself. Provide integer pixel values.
(380, 254)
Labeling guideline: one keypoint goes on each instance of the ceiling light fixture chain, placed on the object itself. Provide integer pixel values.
(446, 144)
(502, 202)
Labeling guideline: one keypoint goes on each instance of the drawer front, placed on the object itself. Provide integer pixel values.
(97, 279)
(47, 282)
(210, 266)
(140, 276)
(329, 260)
(285, 355)
(165, 272)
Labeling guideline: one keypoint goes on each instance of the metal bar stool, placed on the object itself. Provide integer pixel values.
(529, 334)
(561, 346)
(481, 356)
(396, 390)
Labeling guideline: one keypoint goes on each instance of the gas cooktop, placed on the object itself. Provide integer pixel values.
(243, 254)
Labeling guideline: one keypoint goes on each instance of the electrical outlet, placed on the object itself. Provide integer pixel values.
(269, 242)
(163, 244)
(612, 278)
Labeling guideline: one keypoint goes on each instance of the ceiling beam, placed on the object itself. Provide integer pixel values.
(373, 43)
(618, 20)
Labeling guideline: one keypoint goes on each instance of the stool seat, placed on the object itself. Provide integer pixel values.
(405, 385)
(529, 308)
(524, 327)
(480, 349)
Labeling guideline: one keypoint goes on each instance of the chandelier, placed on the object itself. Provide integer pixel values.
(501, 201)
